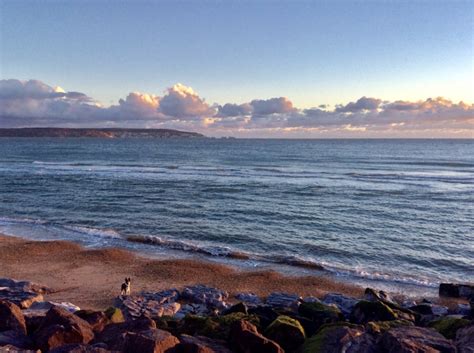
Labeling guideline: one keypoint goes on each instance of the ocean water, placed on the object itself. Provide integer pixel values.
(390, 213)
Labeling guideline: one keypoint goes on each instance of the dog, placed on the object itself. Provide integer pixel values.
(125, 289)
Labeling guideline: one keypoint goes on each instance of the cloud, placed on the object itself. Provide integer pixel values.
(362, 104)
(34, 103)
(181, 101)
(272, 106)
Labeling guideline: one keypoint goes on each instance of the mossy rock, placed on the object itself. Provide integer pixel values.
(200, 325)
(331, 338)
(320, 313)
(214, 327)
(365, 311)
(379, 327)
(114, 315)
(448, 326)
(287, 332)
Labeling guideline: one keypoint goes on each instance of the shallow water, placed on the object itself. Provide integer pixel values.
(398, 212)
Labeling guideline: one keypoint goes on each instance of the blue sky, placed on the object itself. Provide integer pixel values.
(326, 52)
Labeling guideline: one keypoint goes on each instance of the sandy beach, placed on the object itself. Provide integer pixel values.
(91, 278)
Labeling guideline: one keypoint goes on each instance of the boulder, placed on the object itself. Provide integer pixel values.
(113, 335)
(464, 309)
(365, 311)
(114, 315)
(150, 341)
(448, 326)
(60, 327)
(212, 297)
(332, 339)
(287, 332)
(379, 327)
(21, 293)
(422, 309)
(162, 297)
(244, 338)
(15, 338)
(79, 348)
(406, 339)
(465, 339)
(11, 317)
(320, 313)
(456, 290)
(12, 349)
(237, 308)
(284, 300)
(201, 344)
(344, 303)
(265, 314)
(97, 319)
(249, 299)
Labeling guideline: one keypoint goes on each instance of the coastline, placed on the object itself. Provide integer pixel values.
(91, 278)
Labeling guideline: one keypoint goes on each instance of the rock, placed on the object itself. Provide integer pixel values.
(413, 339)
(20, 297)
(249, 299)
(79, 348)
(15, 338)
(48, 305)
(456, 290)
(332, 339)
(113, 335)
(12, 349)
(284, 300)
(423, 309)
(11, 317)
(205, 295)
(150, 341)
(265, 314)
(344, 303)
(287, 332)
(448, 326)
(237, 308)
(60, 327)
(372, 295)
(366, 311)
(244, 338)
(311, 299)
(439, 310)
(97, 319)
(162, 297)
(379, 327)
(25, 286)
(463, 309)
(201, 344)
(114, 315)
(465, 339)
(33, 319)
(320, 314)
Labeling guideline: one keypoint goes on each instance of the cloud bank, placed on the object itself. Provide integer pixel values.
(34, 103)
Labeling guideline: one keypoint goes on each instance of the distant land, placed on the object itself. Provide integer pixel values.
(101, 133)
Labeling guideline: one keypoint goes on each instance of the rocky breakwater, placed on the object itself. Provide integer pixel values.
(205, 319)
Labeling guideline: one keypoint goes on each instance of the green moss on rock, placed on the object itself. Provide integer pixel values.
(365, 311)
(331, 338)
(287, 332)
(378, 327)
(320, 313)
(114, 315)
(448, 326)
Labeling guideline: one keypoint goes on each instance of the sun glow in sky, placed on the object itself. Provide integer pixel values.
(236, 61)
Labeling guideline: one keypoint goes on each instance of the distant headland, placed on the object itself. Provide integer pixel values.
(99, 132)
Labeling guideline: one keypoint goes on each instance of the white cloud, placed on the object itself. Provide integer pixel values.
(34, 103)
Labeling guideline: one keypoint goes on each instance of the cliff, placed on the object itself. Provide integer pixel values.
(100, 133)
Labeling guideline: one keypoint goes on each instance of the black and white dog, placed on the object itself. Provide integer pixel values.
(125, 289)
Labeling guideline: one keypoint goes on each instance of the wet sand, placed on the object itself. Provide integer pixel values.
(91, 278)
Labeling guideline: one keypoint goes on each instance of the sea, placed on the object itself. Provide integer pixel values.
(392, 214)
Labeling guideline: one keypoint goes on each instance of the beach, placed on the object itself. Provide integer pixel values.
(91, 278)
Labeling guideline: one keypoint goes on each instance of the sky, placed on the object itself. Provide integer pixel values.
(241, 68)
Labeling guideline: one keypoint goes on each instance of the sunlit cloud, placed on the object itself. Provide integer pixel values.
(34, 103)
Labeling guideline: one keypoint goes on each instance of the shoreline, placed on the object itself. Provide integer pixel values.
(91, 278)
